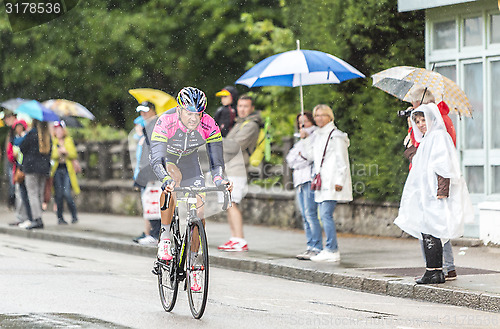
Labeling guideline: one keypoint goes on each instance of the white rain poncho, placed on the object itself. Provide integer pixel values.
(420, 210)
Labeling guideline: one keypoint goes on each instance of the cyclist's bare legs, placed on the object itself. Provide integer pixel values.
(200, 213)
(166, 215)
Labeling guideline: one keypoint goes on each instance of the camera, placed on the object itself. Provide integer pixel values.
(405, 113)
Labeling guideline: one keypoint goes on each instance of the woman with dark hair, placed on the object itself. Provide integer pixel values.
(36, 148)
(302, 172)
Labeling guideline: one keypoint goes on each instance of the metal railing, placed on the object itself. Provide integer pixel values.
(111, 160)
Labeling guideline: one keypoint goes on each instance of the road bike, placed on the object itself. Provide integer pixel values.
(190, 261)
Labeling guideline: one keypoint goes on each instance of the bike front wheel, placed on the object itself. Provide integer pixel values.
(168, 283)
(197, 269)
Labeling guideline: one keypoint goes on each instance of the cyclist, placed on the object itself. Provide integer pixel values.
(176, 137)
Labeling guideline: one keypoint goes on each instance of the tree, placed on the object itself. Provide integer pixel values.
(100, 49)
(371, 36)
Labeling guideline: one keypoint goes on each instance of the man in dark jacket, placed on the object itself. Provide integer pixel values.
(225, 116)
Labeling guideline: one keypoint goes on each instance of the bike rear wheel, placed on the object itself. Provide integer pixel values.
(168, 283)
(197, 269)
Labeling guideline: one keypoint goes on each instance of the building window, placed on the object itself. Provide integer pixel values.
(495, 28)
(473, 28)
(473, 87)
(450, 71)
(475, 179)
(495, 105)
(495, 188)
(444, 35)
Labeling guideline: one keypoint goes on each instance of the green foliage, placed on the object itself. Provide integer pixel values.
(100, 49)
(371, 36)
(94, 132)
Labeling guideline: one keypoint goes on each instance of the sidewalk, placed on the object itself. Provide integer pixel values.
(384, 266)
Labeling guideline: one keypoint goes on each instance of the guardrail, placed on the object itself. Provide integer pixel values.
(105, 160)
(111, 160)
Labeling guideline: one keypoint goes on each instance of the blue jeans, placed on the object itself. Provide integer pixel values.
(309, 211)
(448, 261)
(62, 187)
(326, 209)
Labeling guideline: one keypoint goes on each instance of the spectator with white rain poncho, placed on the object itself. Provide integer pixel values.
(426, 212)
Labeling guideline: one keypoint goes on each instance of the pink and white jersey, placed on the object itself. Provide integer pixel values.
(171, 141)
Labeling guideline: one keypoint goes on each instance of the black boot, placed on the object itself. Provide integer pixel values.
(433, 250)
(61, 221)
(35, 224)
(431, 277)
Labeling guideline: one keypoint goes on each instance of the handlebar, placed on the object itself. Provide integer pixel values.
(197, 190)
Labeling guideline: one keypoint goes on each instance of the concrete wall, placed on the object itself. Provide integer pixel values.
(262, 207)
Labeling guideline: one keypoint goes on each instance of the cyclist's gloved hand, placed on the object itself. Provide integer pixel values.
(218, 180)
(167, 182)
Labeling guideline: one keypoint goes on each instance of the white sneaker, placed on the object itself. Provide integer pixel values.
(25, 224)
(148, 240)
(326, 256)
(234, 245)
(164, 252)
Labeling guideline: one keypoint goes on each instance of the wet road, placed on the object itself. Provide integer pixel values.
(50, 285)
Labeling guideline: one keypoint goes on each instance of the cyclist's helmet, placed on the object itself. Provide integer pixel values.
(192, 99)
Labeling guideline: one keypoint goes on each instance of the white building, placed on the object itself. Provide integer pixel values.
(462, 39)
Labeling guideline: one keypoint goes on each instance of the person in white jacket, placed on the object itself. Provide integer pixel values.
(302, 170)
(335, 176)
(426, 212)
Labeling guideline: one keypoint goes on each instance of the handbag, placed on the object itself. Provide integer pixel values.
(316, 182)
(19, 176)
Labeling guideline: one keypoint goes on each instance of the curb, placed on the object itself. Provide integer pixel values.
(395, 287)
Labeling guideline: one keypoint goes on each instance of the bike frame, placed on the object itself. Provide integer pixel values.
(181, 240)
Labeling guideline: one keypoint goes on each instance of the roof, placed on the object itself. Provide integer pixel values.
(409, 5)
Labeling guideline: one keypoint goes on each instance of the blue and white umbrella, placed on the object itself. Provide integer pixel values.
(299, 68)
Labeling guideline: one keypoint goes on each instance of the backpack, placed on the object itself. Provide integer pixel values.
(263, 147)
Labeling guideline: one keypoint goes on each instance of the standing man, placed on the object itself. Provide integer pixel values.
(225, 116)
(145, 174)
(242, 138)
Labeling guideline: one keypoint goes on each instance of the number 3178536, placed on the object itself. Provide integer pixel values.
(33, 8)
